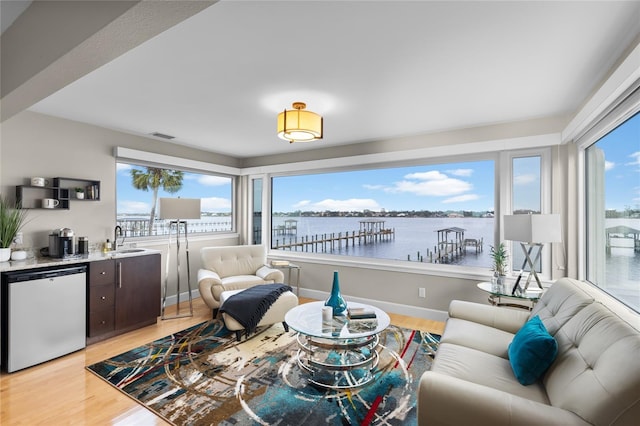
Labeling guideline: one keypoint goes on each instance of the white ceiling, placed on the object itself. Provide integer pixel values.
(373, 69)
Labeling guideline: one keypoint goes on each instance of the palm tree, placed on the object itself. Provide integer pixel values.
(154, 178)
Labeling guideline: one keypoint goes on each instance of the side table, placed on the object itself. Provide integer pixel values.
(290, 267)
(526, 300)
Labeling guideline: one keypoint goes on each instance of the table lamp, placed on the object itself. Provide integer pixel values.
(532, 230)
(177, 210)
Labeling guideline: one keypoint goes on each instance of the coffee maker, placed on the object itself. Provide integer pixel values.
(61, 243)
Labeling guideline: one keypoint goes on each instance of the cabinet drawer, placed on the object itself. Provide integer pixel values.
(101, 297)
(102, 272)
(101, 322)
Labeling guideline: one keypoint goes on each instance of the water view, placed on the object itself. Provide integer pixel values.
(413, 237)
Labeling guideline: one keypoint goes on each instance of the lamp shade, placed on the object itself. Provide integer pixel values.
(299, 125)
(533, 228)
(179, 208)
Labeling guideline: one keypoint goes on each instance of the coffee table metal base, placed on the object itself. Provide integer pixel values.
(338, 363)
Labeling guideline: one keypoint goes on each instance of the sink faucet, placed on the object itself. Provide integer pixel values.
(117, 232)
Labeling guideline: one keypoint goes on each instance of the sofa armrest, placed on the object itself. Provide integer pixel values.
(270, 274)
(445, 400)
(510, 320)
(207, 274)
(207, 280)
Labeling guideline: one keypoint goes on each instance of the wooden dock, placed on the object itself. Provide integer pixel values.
(449, 248)
(371, 231)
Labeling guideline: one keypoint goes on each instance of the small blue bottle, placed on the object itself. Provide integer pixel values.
(335, 300)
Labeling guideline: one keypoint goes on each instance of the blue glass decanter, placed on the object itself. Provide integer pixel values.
(335, 300)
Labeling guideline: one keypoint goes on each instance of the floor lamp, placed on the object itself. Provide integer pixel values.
(177, 210)
(532, 230)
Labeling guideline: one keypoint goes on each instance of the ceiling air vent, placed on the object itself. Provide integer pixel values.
(162, 135)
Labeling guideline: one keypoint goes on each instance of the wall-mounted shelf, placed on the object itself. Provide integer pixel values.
(91, 187)
(30, 197)
(63, 190)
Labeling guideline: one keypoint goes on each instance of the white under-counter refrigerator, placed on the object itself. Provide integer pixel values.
(43, 314)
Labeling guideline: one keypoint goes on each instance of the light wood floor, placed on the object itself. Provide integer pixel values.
(62, 392)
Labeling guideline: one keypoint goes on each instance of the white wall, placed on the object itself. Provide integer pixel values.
(38, 145)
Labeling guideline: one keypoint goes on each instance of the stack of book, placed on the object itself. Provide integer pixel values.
(361, 314)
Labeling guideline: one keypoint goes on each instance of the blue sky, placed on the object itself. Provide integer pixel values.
(452, 186)
(214, 191)
(622, 164)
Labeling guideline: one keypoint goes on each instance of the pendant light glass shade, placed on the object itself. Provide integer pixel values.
(298, 125)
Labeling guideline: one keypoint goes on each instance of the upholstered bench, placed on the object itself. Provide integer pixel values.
(274, 314)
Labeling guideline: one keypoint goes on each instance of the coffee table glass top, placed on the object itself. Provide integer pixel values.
(307, 319)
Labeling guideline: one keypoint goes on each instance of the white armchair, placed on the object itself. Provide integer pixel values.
(233, 268)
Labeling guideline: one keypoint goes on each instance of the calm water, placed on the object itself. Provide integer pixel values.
(412, 235)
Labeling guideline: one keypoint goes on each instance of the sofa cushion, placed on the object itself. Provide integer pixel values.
(477, 336)
(234, 260)
(597, 362)
(237, 282)
(560, 303)
(484, 369)
(532, 351)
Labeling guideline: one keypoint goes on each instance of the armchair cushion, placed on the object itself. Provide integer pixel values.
(227, 268)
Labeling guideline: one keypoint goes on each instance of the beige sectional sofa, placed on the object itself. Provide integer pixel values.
(594, 379)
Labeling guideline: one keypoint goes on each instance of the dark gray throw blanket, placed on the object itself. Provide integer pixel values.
(249, 306)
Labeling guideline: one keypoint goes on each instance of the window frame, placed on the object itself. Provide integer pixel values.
(142, 158)
(506, 194)
(502, 202)
(623, 108)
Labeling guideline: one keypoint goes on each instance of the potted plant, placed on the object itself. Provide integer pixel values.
(12, 218)
(499, 256)
(79, 193)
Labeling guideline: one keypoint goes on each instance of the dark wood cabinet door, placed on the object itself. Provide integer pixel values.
(138, 287)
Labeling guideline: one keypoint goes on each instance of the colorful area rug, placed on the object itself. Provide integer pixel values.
(202, 376)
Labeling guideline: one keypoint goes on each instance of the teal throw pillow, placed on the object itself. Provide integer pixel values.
(532, 351)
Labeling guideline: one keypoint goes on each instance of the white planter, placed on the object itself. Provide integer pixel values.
(80, 195)
(5, 254)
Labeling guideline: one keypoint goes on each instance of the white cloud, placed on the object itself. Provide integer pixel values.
(608, 165)
(301, 204)
(352, 204)
(438, 187)
(121, 167)
(132, 207)
(524, 179)
(213, 180)
(367, 186)
(461, 172)
(215, 204)
(461, 198)
(432, 175)
(636, 159)
(432, 183)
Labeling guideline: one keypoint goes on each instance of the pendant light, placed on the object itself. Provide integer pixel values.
(299, 125)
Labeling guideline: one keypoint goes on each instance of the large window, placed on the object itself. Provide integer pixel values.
(440, 213)
(525, 199)
(139, 187)
(612, 166)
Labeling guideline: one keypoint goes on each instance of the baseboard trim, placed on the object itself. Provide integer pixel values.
(184, 297)
(395, 308)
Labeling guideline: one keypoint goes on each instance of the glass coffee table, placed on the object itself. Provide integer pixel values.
(340, 354)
